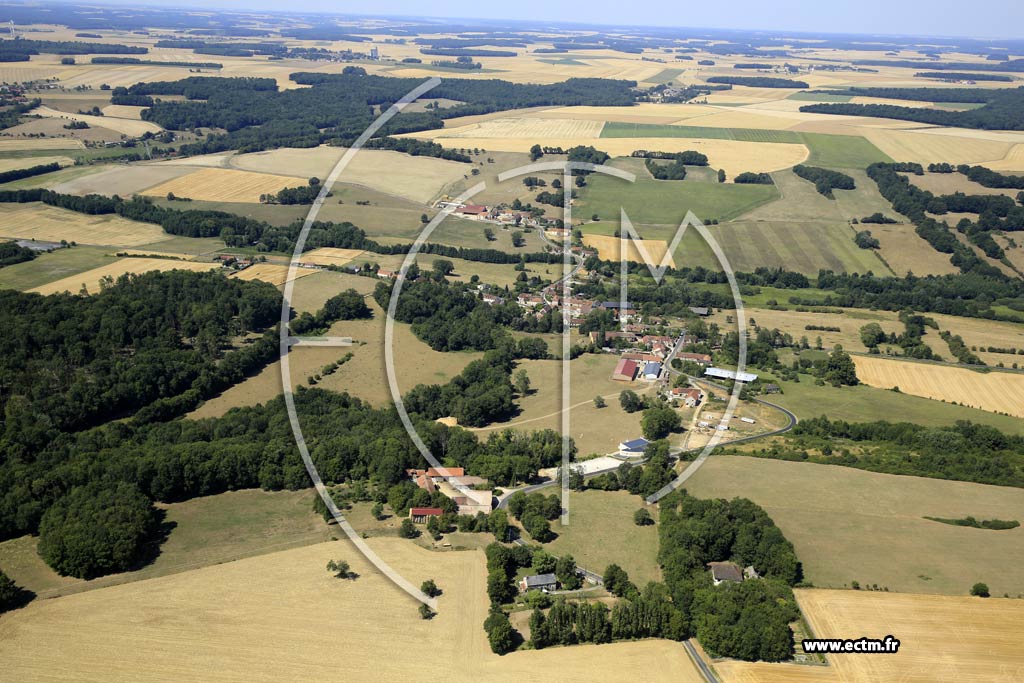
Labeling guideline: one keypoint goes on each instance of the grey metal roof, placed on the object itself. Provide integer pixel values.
(540, 580)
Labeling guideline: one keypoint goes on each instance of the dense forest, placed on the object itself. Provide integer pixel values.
(758, 81)
(1002, 110)
(12, 252)
(337, 108)
(19, 49)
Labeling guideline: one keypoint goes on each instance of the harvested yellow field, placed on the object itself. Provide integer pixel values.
(123, 111)
(129, 127)
(417, 179)
(29, 162)
(273, 273)
(516, 127)
(643, 112)
(225, 185)
(330, 256)
(925, 148)
(948, 183)
(91, 279)
(740, 117)
(983, 333)
(941, 638)
(999, 392)
(298, 622)
(1013, 161)
(18, 144)
(50, 224)
(756, 157)
(156, 253)
(642, 251)
(906, 252)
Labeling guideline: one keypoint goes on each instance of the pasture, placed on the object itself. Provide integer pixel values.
(852, 525)
(297, 620)
(120, 180)
(50, 224)
(91, 280)
(601, 532)
(941, 639)
(224, 185)
(52, 266)
(1001, 392)
(203, 531)
(330, 256)
(132, 127)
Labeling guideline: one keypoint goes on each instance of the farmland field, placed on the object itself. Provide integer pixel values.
(224, 185)
(297, 620)
(53, 266)
(92, 279)
(11, 164)
(1001, 392)
(941, 639)
(642, 251)
(274, 273)
(128, 126)
(601, 532)
(50, 224)
(851, 525)
(330, 256)
(204, 531)
(120, 180)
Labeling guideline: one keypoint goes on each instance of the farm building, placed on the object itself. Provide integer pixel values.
(620, 311)
(473, 210)
(688, 396)
(633, 447)
(420, 515)
(700, 310)
(699, 358)
(725, 571)
(652, 371)
(624, 371)
(730, 374)
(772, 389)
(538, 582)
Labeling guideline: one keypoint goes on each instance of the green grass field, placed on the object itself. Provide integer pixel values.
(842, 151)
(601, 532)
(665, 202)
(850, 525)
(53, 266)
(206, 531)
(665, 76)
(864, 404)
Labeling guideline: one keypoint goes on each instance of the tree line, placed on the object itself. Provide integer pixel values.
(825, 180)
(758, 81)
(1002, 110)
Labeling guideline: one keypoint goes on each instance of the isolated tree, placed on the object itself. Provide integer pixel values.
(171, 197)
(522, 382)
(377, 511)
(599, 402)
(721, 175)
(980, 590)
(430, 588)
(426, 612)
(595, 218)
(408, 529)
(489, 234)
(340, 569)
(11, 595)
(443, 267)
(424, 218)
(629, 401)
(314, 181)
(642, 517)
(565, 571)
(556, 184)
(536, 152)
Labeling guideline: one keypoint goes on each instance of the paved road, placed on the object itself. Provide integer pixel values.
(702, 666)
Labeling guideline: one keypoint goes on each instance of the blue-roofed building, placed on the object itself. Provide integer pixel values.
(633, 447)
(652, 370)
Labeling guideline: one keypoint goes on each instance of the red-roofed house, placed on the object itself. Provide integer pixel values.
(420, 515)
(472, 210)
(625, 371)
(688, 395)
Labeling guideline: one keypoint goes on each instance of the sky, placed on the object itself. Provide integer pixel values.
(974, 18)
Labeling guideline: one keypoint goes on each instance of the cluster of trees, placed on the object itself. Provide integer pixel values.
(674, 171)
(348, 305)
(12, 252)
(97, 529)
(824, 179)
(878, 218)
(19, 173)
(12, 110)
(11, 594)
(416, 148)
(750, 178)
(989, 178)
(688, 157)
(758, 81)
(1002, 109)
(534, 511)
(994, 524)
(963, 451)
(568, 624)
(865, 240)
(959, 349)
(304, 194)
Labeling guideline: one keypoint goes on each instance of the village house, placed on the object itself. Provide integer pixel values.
(421, 515)
(538, 582)
(699, 358)
(492, 300)
(472, 211)
(386, 274)
(725, 571)
(624, 371)
(688, 396)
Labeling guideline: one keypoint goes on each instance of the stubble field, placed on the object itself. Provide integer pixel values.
(224, 185)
